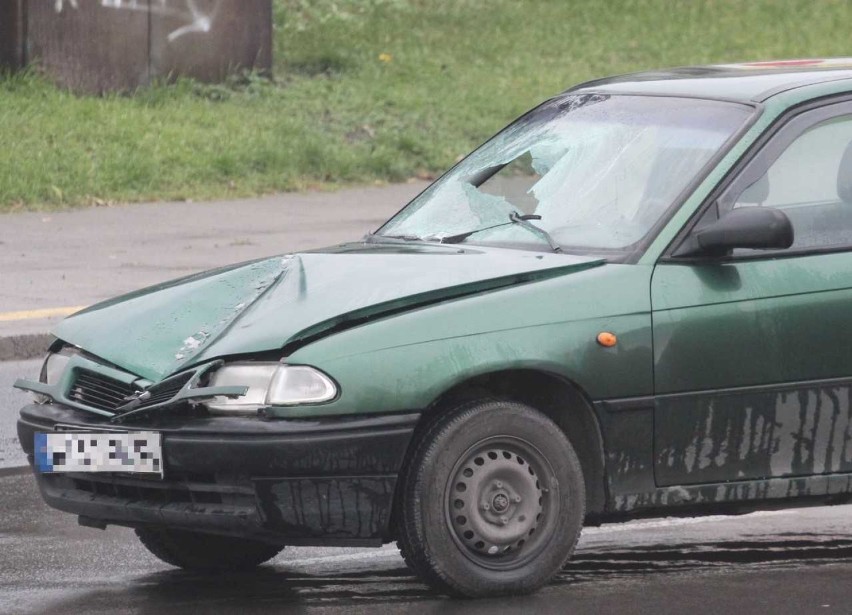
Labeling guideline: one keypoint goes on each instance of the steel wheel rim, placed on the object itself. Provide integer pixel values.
(500, 501)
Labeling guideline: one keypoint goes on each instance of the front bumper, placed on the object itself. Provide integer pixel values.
(328, 481)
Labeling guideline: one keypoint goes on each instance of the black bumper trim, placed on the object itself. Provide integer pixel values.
(319, 482)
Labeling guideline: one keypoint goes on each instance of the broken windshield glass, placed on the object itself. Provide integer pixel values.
(599, 170)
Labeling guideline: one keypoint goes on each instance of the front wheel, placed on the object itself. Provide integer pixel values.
(195, 551)
(492, 501)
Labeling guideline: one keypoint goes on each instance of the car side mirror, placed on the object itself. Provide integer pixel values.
(754, 228)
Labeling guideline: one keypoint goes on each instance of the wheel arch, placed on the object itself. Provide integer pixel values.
(562, 400)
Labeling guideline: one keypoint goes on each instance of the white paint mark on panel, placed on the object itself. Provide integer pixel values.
(196, 20)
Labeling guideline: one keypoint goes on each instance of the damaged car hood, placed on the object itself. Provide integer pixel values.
(267, 304)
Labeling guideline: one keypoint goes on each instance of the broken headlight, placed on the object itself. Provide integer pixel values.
(52, 369)
(270, 384)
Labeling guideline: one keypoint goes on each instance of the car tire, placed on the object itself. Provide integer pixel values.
(492, 500)
(195, 551)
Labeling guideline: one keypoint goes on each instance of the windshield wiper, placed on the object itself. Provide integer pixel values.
(524, 222)
(376, 238)
(514, 218)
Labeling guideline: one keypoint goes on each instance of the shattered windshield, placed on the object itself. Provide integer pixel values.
(593, 172)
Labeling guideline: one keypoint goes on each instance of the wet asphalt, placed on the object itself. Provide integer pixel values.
(11, 401)
(794, 561)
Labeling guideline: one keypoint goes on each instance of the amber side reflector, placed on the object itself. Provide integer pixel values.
(607, 339)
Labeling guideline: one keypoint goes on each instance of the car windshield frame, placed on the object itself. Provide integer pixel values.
(631, 253)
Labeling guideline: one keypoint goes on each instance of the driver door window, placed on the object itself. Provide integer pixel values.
(811, 182)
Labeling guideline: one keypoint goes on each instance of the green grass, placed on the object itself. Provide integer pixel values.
(338, 113)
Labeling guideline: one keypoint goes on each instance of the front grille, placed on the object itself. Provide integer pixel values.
(99, 391)
(105, 393)
(164, 391)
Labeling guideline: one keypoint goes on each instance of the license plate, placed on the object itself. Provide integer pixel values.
(138, 453)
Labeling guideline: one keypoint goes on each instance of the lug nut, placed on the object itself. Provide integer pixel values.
(504, 520)
(486, 507)
(517, 499)
(499, 484)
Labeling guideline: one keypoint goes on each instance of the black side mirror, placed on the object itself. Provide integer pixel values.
(753, 228)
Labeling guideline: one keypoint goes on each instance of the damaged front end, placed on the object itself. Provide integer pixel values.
(203, 364)
(227, 469)
(71, 378)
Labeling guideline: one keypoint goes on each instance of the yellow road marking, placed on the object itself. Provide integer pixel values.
(45, 313)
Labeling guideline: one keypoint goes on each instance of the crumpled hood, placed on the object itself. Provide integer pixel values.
(265, 305)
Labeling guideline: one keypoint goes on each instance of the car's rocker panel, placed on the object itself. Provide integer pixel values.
(776, 443)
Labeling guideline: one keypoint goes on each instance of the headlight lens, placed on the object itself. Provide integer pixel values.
(270, 384)
(300, 384)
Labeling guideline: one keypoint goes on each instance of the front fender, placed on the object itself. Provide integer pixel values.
(407, 361)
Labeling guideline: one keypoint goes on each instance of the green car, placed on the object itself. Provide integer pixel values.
(634, 300)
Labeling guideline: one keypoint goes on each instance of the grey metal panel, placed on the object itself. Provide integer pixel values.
(118, 45)
(209, 39)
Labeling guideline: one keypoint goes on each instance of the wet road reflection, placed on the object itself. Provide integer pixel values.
(786, 561)
(785, 550)
(274, 587)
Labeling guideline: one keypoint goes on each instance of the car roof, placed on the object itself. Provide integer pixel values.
(748, 82)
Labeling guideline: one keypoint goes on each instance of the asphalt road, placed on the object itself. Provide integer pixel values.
(796, 561)
(11, 401)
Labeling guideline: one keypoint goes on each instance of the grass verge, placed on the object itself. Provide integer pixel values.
(370, 90)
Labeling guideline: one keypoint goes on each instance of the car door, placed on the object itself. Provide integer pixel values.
(753, 351)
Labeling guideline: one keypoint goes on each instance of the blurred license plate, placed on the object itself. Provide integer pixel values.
(140, 452)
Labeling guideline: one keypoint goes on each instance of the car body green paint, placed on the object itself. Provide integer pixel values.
(155, 331)
(265, 305)
(408, 360)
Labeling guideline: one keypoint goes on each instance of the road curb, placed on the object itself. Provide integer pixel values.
(23, 347)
